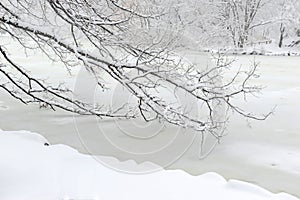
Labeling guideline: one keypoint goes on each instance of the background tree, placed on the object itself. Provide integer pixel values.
(293, 20)
(240, 17)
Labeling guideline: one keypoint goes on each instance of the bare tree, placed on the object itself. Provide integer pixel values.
(239, 17)
(118, 38)
(290, 12)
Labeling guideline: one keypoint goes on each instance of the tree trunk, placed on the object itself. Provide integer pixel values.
(282, 30)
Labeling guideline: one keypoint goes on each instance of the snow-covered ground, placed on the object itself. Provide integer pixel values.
(271, 49)
(267, 153)
(31, 170)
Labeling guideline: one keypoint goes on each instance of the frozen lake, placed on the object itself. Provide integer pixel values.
(267, 153)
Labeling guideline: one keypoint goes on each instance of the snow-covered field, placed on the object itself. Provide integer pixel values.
(31, 170)
(266, 154)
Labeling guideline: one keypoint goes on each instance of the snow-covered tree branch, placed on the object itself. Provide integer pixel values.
(121, 39)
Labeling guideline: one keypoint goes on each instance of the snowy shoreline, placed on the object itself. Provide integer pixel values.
(31, 170)
(259, 50)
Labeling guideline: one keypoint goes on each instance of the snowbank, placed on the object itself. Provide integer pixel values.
(30, 169)
(260, 49)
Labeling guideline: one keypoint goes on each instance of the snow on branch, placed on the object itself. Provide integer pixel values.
(111, 37)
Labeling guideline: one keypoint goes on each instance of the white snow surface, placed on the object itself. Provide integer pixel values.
(31, 170)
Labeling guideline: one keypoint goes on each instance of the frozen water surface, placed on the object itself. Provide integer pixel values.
(265, 153)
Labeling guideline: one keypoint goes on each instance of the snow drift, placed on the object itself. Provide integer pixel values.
(31, 170)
